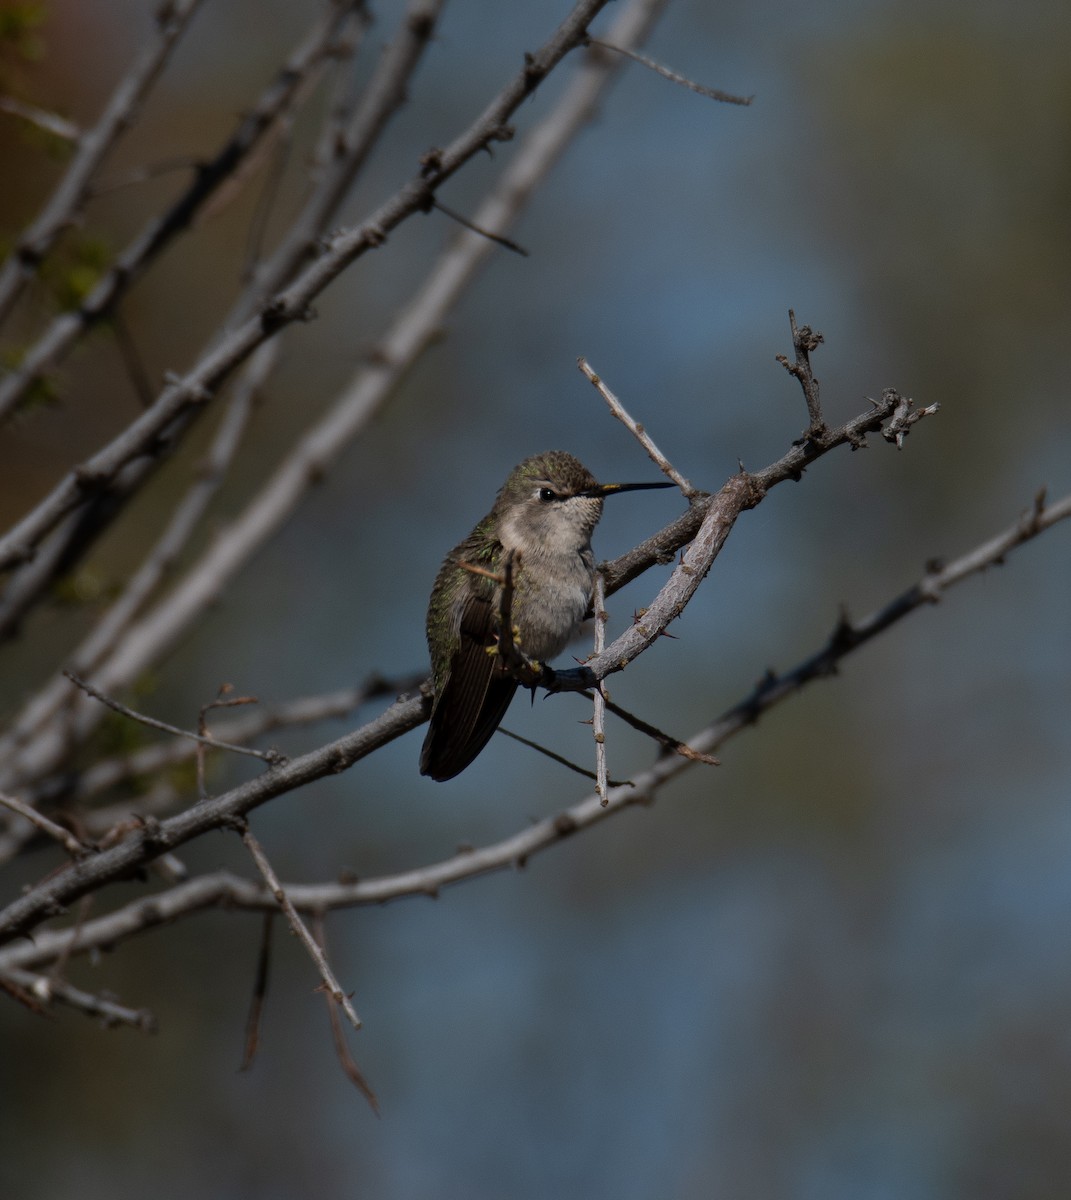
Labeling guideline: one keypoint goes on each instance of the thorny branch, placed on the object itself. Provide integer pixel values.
(279, 292)
(315, 952)
(805, 341)
(707, 524)
(224, 887)
(271, 757)
(266, 718)
(598, 703)
(38, 991)
(412, 329)
(637, 430)
(330, 37)
(187, 395)
(92, 146)
(294, 77)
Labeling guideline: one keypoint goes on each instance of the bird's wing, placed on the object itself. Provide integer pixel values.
(473, 699)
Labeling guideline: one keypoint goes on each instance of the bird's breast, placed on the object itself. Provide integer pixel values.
(551, 599)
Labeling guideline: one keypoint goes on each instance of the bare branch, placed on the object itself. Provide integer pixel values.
(804, 341)
(411, 331)
(64, 836)
(160, 560)
(904, 416)
(637, 431)
(132, 360)
(558, 758)
(67, 328)
(741, 492)
(670, 745)
(50, 122)
(271, 757)
(348, 139)
(74, 791)
(157, 837)
(508, 243)
(222, 700)
(132, 176)
(44, 990)
(598, 712)
(716, 515)
(673, 76)
(706, 526)
(225, 888)
(338, 1035)
(185, 397)
(260, 992)
(68, 198)
(334, 988)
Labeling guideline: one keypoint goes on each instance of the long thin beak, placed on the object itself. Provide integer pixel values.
(608, 489)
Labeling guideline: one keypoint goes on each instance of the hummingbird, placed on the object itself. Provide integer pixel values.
(539, 532)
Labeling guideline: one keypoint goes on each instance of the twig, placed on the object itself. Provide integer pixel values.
(113, 625)
(670, 745)
(334, 989)
(260, 992)
(22, 994)
(85, 907)
(350, 133)
(526, 671)
(338, 1035)
(269, 194)
(76, 880)
(93, 145)
(132, 360)
(804, 341)
(904, 416)
(637, 430)
(501, 240)
(345, 92)
(558, 758)
(717, 515)
(598, 712)
(50, 122)
(482, 572)
(742, 491)
(271, 757)
(673, 76)
(133, 176)
(152, 760)
(221, 701)
(66, 839)
(44, 990)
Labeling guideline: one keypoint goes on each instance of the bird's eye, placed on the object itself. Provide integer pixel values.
(547, 494)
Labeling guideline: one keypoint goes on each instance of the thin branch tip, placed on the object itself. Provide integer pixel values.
(637, 430)
(673, 76)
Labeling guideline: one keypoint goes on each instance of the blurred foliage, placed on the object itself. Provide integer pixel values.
(19, 26)
(21, 43)
(72, 271)
(44, 390)
(85, 586)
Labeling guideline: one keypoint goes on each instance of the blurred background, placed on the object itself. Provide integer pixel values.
(839, 965)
